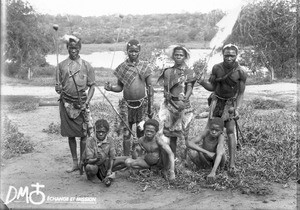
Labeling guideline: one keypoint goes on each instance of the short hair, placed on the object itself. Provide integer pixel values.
(133, 42)
(230, 47)
(217, 121)
(102, 123)
(152, 122)
(186, 53)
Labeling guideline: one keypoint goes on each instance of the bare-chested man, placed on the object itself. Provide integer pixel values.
(134, 79)
(227, 82)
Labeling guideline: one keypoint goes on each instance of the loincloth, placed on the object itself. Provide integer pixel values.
(219, 107)
(136, 111)
(176, 124)
(74, 121)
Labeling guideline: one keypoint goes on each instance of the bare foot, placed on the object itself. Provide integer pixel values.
(164, 173)
(74, 168)
(232, 171)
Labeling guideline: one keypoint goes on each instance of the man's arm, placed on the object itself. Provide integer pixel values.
(114, 88)
(242, 87)
(150, 93)
(193, 144)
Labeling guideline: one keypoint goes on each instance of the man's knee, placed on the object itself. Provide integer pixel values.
(128, 162)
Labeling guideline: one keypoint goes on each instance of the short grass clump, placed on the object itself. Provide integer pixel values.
(267, 104)
(53, 128)
(14, 142)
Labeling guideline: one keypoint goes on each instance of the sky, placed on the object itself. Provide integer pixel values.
(135, 7)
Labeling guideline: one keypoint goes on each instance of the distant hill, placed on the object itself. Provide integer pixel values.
(170, 28)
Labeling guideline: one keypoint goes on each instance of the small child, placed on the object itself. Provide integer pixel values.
(99, 156)
(153, 146)
(212, 151)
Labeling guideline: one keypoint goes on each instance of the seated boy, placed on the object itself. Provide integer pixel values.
(99, 157)
(152, 147)
(212, 151)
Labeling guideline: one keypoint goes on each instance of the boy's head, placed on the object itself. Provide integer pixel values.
(152, 122)
(133, 49)
(151, 127)
(216, 126)
(101, 129)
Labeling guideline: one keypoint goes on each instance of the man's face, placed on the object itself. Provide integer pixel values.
(229, 57)
(179, 56)
(101, 133)
(215, 130)
(73, 50)
(133, 53)
(150, 131)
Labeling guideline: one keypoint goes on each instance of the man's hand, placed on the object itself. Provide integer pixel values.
(109, 172)
(181, 97)
(58, 88)
(200, 78)
(108, 86)
(84, 106)
(167, 95)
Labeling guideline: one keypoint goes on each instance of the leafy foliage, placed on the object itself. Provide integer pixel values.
(269, 28)
(14, 142)
(53, 128)
(27, 40)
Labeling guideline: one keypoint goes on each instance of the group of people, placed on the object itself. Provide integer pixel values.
(155, 143)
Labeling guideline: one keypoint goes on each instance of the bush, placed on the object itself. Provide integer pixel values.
(14, 142)
(259, 103)
(53, 128)
(22, 103)
(45, 71)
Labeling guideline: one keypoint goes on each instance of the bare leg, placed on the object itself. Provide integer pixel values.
(231, 145)
(91, 171)
(119, 163)
(173, 145)
(127, 141)
(199, 159)
(73, 148)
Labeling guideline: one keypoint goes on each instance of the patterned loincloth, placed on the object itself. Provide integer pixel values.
(134, 111)
(176, 124)
(219, 107)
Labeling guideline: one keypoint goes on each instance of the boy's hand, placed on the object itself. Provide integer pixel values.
(211, 177)
(211, 154)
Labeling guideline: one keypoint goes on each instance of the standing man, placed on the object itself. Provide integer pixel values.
(134, 79)
(227, 82)
(176, 112)
(75, 77)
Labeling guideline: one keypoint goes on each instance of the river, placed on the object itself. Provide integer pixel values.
(110, 59)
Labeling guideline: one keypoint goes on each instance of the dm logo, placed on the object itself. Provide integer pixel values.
(35, 197)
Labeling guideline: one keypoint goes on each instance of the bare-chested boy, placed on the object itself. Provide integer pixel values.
(99, 156)
(212, 151)
(152, 146)
(134, 79)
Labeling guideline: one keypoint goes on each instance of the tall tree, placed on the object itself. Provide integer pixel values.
(27, 41)
(269, 27)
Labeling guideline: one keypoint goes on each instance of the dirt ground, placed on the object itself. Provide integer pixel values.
(51, 157)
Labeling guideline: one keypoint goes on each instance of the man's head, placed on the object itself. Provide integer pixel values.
(101, 129)
(151, 127)
(133, 48)
(230, 52)
(216, 126)
(180, 54)
(73, 46)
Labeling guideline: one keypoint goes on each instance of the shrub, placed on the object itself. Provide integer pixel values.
(14, 142)
(259, 103)
(22, 103)
(53, 128)
(44, 71)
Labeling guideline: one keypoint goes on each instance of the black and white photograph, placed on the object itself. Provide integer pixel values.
(138, 104)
